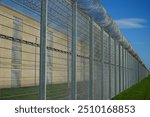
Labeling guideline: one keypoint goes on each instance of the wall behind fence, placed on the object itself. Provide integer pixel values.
(112, 67)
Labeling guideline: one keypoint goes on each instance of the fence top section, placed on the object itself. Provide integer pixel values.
(94, 9)
(63, 10)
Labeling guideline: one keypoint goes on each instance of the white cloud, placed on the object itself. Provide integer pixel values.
(131, 23)
(138, 43)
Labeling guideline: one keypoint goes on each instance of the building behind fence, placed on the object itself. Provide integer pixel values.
(114, 68)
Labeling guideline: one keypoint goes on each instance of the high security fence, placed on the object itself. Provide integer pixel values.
(83, 60)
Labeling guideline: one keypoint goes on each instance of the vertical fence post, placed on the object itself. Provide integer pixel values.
(99, 68)
(119, 68)
(91, 60)
(138, 72)
(109, 66)
(115, 62)
(122, 68)
(135, 69)
(43, 49)
(125, 67)
(130, 70)
(133, 72)
(35, 61)
(102, 62)
(73, 52)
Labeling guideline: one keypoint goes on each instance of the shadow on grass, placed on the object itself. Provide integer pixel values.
(53, 92)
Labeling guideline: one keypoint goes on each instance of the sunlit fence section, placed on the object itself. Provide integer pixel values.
(84, 60)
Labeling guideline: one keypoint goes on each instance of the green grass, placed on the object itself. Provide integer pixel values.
(139, 91)
(54, 91)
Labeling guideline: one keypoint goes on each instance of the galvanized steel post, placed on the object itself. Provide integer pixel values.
(115, 62)
(134, 68)
(128, 70)
(119, 68)
(138, 71)
(91, 60)
(131, 71)
(109, 41)
(130, 74)
(99, 86)
(125, 69)
(122, 68)
(102, 62)
(43, 49)
(73, 52)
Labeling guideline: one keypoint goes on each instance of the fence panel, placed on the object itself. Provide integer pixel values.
(114, 68)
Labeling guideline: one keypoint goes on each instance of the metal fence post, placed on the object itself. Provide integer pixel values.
(99, 79)
(73, 52)
(138, 72)
(102, 62)
(109, 66)
(125, 69)
(130, 70)
(91, 60)
(43, 49)
(122, 68)
(134, 70)
(132, 73)
(119, 68)
(115, 45)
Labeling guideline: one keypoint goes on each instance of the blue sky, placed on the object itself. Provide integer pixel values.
(133, 19)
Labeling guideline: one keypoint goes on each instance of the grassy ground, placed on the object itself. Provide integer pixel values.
(54, 91)
(140, 91)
